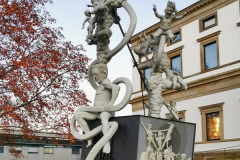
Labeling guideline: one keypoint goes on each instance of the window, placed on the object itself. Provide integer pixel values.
(76, 150)
(210, 55)
(147, 74)
(48, 150)
(213, 127)
(32, 150)
(1, 149)
(181, 115)
(149, 50)
(178, 38)
(209, 52)
(18, 149)
(176, 64)
(212, 122)
(208, 22)
(175, 59)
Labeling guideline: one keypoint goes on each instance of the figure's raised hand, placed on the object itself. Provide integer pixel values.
(154, 7)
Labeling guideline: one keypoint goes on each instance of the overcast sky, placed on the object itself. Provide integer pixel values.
(70, 15)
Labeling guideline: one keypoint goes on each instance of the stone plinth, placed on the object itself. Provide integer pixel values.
(130, 140)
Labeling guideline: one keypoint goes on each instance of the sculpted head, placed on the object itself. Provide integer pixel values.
(87, 13)
(183, 156)
(99, 72)
(172, 103)
(170, 9)
(149, 126)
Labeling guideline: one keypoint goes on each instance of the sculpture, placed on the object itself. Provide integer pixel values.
(171, 13)
(143, 49)
(106, 95)
(160, 63)
(173, 110)
(149, 134)
(106, 91)
(163, 151)
(91, 25)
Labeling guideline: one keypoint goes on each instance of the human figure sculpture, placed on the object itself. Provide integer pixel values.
(106, 95)
(173, 110)
(166, 154)
(143, 49)
(149, 132)
(174, 77)
(168, 135)
(183, 156)
(106, 91)
(159, 137)
(172, 155)
(91, 25)
(152, 156)
(166, 20)
(160, 63)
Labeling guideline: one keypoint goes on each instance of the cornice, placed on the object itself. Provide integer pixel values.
(188, 9)
(195, 11)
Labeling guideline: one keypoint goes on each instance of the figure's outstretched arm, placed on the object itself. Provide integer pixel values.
(84, 22)
(156, 13)
(143, 124)
(175, 72)
(181, 16)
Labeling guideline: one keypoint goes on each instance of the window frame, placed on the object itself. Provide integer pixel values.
(173, 53)
(201, 22)
(180, 39)
(1, 149)
(181, 114)
(78, 148)
(33, 152)
(47, 147)
(207, 40)
(211, 109)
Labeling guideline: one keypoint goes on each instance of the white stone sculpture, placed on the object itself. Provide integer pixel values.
(149, 132)
(143, 49)
(158, 153)
(91, 25)
(106, 91)
(160, 63)
(173, 110)
(168, 135)
(183, 156)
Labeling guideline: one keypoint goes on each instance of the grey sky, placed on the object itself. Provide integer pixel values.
(70, 15)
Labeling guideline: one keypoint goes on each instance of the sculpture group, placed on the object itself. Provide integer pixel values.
(100, 19)
(159, 63)
(158, 147)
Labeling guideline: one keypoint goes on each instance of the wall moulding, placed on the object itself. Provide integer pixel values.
(209, 85)
(195, 11)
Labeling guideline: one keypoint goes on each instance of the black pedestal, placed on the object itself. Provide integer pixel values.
(130, 140)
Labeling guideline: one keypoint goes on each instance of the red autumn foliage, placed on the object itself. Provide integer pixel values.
(39, 71)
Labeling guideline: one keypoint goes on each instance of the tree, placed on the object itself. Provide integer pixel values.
(39, 71)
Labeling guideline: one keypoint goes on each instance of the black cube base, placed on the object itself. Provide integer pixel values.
(130, 140)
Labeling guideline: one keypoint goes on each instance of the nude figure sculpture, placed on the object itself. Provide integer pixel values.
(105, 97)
(166, 20)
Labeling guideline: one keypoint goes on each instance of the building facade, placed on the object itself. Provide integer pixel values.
(43, 148)
(206, 53)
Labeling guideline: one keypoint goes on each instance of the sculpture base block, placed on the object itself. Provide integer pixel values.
(130, 140)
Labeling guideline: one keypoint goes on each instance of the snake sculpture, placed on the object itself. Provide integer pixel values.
(96, 109)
